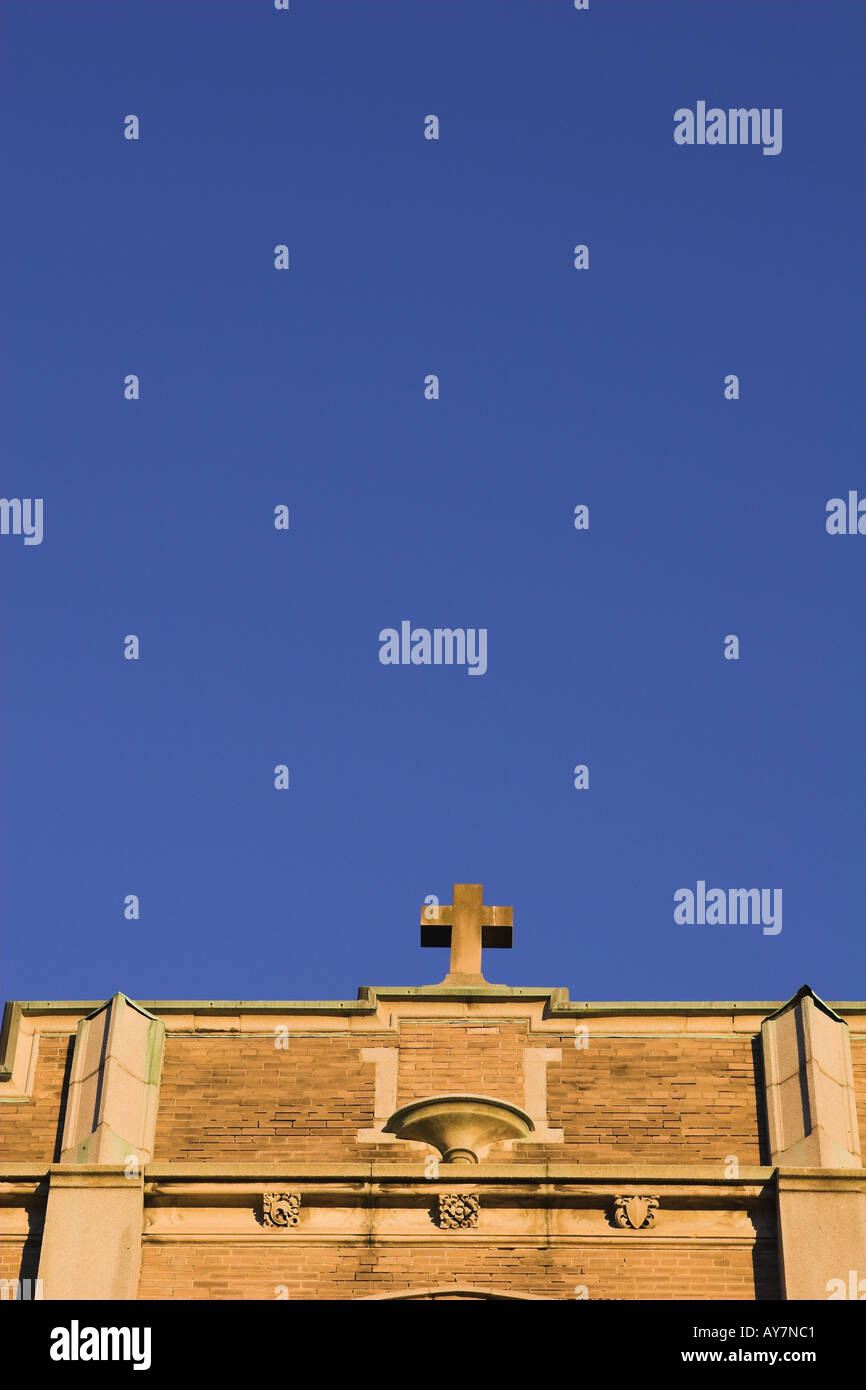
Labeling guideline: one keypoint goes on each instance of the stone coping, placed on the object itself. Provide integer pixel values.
(556, 1005)
(622, 1175)
(368, 998)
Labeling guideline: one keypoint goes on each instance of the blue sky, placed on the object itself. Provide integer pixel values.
(305, 387)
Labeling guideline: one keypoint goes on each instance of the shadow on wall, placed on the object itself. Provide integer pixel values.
(765, 1254)
(761, 1101)
(64, 1098)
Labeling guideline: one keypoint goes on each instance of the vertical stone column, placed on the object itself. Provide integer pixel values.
(91, 1246)
(812, 1125)
(114, 1085)
(822, 1233)
(810, 1086)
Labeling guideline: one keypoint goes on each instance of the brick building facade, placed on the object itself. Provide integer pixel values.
(460, 1140)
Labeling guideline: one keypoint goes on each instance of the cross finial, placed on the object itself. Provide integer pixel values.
(466, 925)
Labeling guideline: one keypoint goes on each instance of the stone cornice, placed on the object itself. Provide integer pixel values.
(556, 1002)
(552, 1171)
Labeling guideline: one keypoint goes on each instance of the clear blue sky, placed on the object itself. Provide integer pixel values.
(306, 387)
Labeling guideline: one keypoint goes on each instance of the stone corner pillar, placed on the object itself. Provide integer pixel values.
(809, 1086)
(822, 1232)
(91, 1245)
(814, 1143)
(94, 1216)
(114, 1085)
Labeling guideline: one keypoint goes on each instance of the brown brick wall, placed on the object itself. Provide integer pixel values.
(234, 1271)
(11, 1252)
(242, 1098)
(448, 1056)
(19, 1259)
(664, 1099)
(668, 1100)
(31, 1130)
(673, 1100)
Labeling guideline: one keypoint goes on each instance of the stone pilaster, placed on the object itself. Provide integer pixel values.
(114, 1085)
(822, 1232)
(91, 1246)
(812, 1126)
(809, 1086)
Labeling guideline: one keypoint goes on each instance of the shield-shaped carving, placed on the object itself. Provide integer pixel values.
(637, 1210)
(634, 1211)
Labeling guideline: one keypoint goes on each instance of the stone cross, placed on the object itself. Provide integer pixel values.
(466, 925)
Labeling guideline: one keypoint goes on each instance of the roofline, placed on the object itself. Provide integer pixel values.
(368, 997)
(557, 1005)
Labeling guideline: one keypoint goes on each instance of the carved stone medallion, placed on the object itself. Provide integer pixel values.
(637, 1212)
(458, 1211)
(281, 1208)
